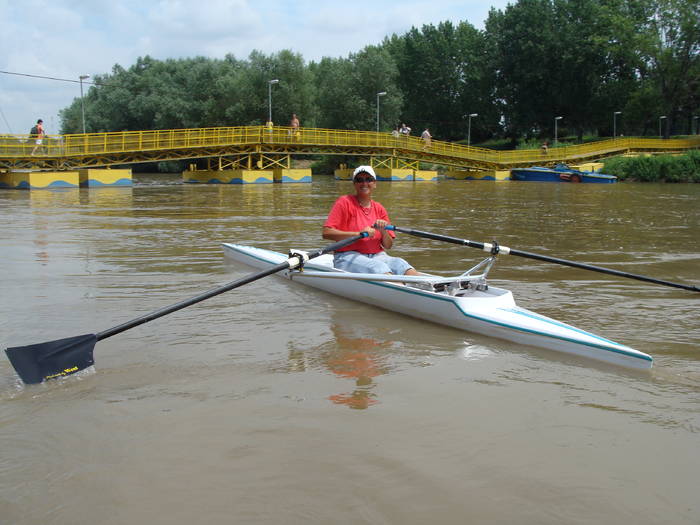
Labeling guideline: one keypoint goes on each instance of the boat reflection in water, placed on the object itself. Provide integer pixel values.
(359, 359)
(560, 173)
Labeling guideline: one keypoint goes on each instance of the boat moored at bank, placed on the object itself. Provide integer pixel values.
(560, 173)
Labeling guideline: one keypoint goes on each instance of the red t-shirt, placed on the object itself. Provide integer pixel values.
(349, 216)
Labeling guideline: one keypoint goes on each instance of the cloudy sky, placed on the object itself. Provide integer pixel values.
(64, 39)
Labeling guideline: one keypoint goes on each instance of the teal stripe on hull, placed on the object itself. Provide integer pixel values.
(606, 348)
(528, 331)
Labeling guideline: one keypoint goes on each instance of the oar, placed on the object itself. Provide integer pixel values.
(38, 362)
(496, 248)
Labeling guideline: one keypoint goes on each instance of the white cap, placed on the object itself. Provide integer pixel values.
(364, 169)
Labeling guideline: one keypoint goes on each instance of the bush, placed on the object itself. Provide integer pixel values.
(662, 168)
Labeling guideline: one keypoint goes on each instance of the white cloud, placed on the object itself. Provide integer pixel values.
(67, 38)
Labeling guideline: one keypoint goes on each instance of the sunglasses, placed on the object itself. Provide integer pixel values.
(364, 179)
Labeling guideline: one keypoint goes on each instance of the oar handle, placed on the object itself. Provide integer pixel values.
(504, 250)
(296, 259)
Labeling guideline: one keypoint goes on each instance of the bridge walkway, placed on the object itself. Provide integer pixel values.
(263, 147)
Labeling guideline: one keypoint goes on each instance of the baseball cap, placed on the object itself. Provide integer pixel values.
(364, 169)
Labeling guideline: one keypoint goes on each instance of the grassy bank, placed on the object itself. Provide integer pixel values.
(659, 168)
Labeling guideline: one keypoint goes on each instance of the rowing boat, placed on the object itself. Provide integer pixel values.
(465, 301)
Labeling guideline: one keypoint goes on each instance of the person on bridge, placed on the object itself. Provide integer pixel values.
(426, 136)
(353, 214)
(37, 134)
(294, 124)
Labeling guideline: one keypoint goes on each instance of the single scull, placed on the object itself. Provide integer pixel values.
(464, 301)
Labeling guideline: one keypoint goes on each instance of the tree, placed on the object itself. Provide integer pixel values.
(348, 87)
(673, 54)
(551, 61)
(444, 76)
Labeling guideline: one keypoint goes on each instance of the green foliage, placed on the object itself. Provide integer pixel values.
(196, 92)
(348, 87)
(662, 168)
(445, 76)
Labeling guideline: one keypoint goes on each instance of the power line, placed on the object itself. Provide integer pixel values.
(53, 78)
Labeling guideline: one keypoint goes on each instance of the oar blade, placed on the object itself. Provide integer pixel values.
(39, 362)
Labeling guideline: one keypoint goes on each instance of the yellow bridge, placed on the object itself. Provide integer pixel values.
(261, 147)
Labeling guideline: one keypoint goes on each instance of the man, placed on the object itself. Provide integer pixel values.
(294, 124)
(426, 136)
(353, 214)
(37, 133)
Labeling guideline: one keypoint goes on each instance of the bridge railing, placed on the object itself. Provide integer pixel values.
(305, 139)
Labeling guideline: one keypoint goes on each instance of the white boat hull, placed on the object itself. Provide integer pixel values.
(490, 312)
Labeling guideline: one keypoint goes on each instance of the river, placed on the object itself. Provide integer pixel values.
(276, 403)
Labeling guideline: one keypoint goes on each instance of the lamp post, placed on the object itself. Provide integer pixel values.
(556, 129)
(660, 119)
(695, 119)
(82, 101)
(380, 94)
(469, 128)
(269, 97)
(615, 123)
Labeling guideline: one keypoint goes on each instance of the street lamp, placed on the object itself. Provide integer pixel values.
(556, 129)
(615, 123)
(660, 119)
(469, 128)
(269, 96)
(82, 102)
(380, 94)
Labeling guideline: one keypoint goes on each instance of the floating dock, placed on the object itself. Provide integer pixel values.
(41, 180)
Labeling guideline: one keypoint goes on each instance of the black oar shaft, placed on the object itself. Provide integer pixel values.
(289, 263)
(555, 260)
(601, 269)
(188, 302)
(38, 362)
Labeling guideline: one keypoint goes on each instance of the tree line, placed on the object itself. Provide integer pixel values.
(632, 65)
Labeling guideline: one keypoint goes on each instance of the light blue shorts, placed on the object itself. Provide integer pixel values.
(357, 262)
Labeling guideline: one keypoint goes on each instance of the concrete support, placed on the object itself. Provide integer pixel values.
(90, 178)
(237, 176)
(394, 174)
(291, 175)
(343, 173)
(425, 175)
(35, 180)
(492, 175)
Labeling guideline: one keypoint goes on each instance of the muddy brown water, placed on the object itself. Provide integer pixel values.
(276, 403)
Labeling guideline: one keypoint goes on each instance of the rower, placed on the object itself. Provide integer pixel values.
(353, 214)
